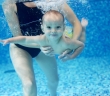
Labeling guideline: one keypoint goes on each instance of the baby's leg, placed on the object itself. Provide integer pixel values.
(84, 23)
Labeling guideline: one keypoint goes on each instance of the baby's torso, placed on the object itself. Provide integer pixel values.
(64, 44)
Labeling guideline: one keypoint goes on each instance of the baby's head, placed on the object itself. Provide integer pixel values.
(53, 24)
(53, 15)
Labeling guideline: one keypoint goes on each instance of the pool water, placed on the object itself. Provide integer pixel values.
(86, 75)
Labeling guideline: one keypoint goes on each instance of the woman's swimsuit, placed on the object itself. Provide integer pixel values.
(30, 24)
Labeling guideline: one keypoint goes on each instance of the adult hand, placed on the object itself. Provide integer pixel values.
(66, 55)
(47, 51)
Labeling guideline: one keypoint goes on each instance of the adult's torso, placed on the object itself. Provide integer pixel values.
(29, 19)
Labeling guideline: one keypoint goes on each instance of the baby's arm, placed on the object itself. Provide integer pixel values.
(29, 41)
(78, 50)
(79, 47)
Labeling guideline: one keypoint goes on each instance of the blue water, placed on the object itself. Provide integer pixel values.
(87, 75)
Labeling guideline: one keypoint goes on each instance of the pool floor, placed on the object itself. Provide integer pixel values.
(78, 77)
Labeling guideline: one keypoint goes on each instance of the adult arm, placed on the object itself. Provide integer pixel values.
(72, 18)
(11, 17)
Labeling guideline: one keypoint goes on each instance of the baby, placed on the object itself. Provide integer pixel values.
(53, 27)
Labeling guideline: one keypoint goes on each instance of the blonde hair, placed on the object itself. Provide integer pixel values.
(52, 12)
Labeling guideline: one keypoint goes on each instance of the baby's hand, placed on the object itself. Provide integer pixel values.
(1, 41)
(4, 42)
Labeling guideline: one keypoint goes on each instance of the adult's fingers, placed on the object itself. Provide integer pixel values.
(47, 51)
(64, 54)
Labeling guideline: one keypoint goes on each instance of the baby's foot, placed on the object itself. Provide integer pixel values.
(84, 22)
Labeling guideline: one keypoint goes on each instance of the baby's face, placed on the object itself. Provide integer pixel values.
(53, 27)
